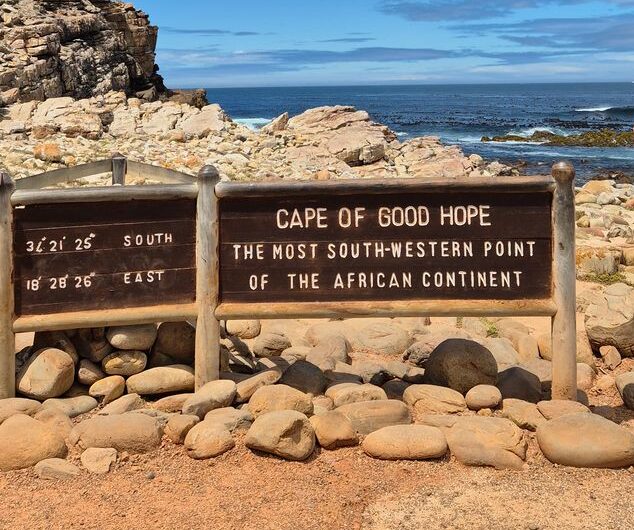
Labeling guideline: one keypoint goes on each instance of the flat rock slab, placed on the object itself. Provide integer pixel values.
(406, 442)
(586, 440)
(560, 407)
(56, 469)
(99, 460)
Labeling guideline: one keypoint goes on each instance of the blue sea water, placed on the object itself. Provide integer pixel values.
(462, 114)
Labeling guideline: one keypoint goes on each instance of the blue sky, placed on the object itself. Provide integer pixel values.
(242, 43)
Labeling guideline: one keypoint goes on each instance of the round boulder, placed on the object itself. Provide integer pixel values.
(208, 440)
(285, 433)
(162, 380)
(586, 440)
(47, 374)
(461, 364)
(279, 397)
(125, 363)
(245, 329)
(483, 397)
(405, 442)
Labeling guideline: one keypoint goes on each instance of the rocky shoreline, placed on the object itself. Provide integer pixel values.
(601, 138)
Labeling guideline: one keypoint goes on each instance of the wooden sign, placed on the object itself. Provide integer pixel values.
(84, 256)
(374, 243)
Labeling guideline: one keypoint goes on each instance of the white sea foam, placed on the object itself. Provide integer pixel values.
(253, 123)
(594, 109)
(527, 133)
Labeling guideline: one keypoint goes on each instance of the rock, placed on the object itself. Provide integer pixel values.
(394, 389)
(371, 372)
(56, 419)
(609, 319)
(91, 344)
(419, 352)
(369, 416)
(284, 433)
(279, 397)
(382, 338)
(431, 399)
(172, 403)
(328, 352)
(245, 329)
(271, 344)
(208, 440)
(560, 407)
(522, 413)
(179, 425)
(483, 397)
(25, 441)
(625, 386)
(345, 393)
(230, 418)
(162, 380)
(519, 383)
(481, 441)
(48, 152)
(334, 430)
(139, 337)
(125, 363)
(72, 407)
(99, 461)
(305, 377)
(246, 388)
(210, 119)
(12, 406)
(461, 364)
(56, 469)
(177, 341)
(134, 433)
(109, 388)
(47, 374)
(55, 339)
(405, 442)
(592, 260)
(212, 395)
(611, 356)
(276, 125)
(123, 404)
(585, 376)
(89, 373)
(586, 440)
(503, 351)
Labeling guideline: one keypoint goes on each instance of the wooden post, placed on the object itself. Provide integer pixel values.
(207, 234)
(119, 163)
(564, 327)
(7, 337)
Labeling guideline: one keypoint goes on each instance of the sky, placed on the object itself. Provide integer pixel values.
(254, 43)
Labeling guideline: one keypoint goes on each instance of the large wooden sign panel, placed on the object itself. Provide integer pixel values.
(486, 244)
(105, 255)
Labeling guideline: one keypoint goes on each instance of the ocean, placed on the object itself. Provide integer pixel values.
(462, 114)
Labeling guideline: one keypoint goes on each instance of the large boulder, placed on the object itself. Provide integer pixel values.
(609, 319)
(306, 377)
(47, 374)
(134, 433)
(285, 433)
(212, 395)
(162, 380)
(25, 441)
(370, 416)
(279, 397)
(586, 440)
(461, 364)
(406, 442)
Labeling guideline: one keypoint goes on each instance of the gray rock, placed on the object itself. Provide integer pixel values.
(284, 433)
(305, 377)
(405, 442)
(56, 469)
(586, 440)
(519, 383)
(394, 389)
(99, 461)
(461, 364)
(212, 395)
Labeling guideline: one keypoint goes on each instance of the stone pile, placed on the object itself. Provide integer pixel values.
(400, 389)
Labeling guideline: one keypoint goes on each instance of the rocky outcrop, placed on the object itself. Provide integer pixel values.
(77, 48)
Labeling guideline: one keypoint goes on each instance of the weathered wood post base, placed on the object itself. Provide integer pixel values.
(119, 169)
(7, 337)
(207, 363)
(564, 327)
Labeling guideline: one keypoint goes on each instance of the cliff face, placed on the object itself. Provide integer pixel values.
(76, 48)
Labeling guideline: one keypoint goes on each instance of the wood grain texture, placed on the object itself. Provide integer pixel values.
(7, 338)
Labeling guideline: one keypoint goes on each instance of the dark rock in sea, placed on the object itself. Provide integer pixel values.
(601, 138)
(196, 97)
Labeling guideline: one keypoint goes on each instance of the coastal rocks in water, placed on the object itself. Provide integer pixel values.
(99, 461)
(601, 138)
(586, 440)
(461, 364)
(284, 433)
(279, 397)
(47, 374)
(208, 440)
(333, 430)
(625, 386)
(369, 416)
(405, 442)
(134, 433)
(79, 49)
(56, 469)
(431, 399)
(138, 338)
(25, 441)
(609, 319)
(162, 380)
(125, 363)
(177, 341)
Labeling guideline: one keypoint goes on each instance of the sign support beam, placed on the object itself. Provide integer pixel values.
(207, 282)
(564, 325)
(7, 336)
